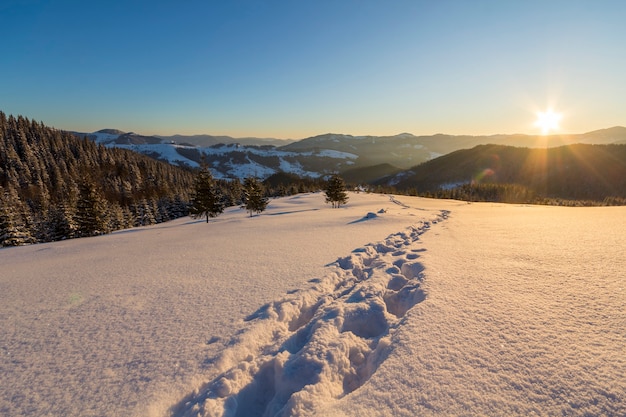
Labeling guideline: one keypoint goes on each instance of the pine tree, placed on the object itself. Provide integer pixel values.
(61, 224)
(207, 198)
(336, 191)
(254, 196)
(144, 213)
(13, 229)
(91, 210)
(233, 192)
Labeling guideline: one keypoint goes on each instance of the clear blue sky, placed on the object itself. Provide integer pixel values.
(297, 68)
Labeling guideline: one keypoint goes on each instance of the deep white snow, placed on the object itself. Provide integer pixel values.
(387, 306)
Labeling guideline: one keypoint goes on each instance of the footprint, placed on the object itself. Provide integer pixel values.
(320, 343)
(412, 270)
(366, 320)
(399, 302)
(397, 282)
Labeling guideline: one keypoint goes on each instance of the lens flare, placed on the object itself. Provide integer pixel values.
(485, 173)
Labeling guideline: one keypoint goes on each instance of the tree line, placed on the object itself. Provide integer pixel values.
(55, 185)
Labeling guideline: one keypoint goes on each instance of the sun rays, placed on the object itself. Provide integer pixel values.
(548, 121)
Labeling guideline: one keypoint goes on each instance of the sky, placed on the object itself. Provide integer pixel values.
(294, 69)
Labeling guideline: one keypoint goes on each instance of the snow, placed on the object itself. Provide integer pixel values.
(451, 185)
(101, 137)
(330, 153)
(248, 169)
(386, 306)
(166, 151)
(414, 146)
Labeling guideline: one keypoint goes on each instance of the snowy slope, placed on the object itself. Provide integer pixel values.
(324, 154)
(389, 306)
(231, 160)
(164, 151)
(239, 161)
(104, 137)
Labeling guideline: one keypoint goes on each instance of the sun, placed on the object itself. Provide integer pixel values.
(548, 121)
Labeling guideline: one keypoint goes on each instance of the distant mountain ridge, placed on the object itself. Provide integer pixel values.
(577, 171)
(324, 154)
(210, 140)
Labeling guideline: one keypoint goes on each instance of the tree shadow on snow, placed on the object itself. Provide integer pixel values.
(280, 213)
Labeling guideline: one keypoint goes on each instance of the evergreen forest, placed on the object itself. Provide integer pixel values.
(54, 186)
(579, 174)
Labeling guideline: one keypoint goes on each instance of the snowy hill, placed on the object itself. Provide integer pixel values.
(389, 306)
(233, 159)
(324, 154)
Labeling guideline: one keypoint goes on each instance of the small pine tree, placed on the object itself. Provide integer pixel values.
(254, 196)
(336, 191)
(207, 198)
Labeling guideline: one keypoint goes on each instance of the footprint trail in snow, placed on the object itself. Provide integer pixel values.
(319, 343)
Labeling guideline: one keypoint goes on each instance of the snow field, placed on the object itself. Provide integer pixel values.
(525, 316)
(389, 306)
(127, 323)
(321, 343)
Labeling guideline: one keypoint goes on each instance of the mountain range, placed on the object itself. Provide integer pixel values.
(55, 185)
(321, 155)
(575, 172)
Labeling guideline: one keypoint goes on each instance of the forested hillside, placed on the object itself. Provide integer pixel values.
(54, 185)
(507, 173)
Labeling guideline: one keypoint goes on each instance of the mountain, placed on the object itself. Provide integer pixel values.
(210, 140)
(108, 136)
(117, 137)
(111, 131)
(228, 157)
(579, 171)
(403, 150)
(323, 154)
(369, 174)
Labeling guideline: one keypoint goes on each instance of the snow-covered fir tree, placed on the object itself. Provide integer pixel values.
(91, 210)
(13, 229)
(61, 222)
(254, 197)
(43, 167)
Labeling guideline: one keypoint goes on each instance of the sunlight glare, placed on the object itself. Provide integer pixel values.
(548, 121)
